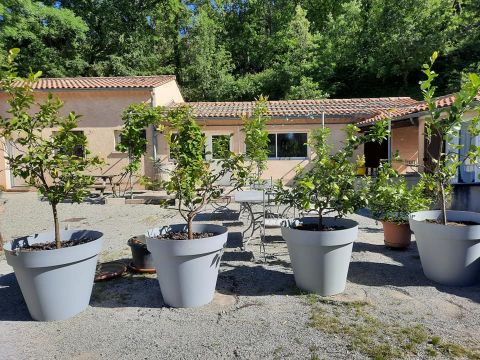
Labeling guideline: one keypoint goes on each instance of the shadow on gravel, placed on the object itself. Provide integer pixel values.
(255, 281)
(131, 290)
(12, 305)
(381, 274)
(371, 230)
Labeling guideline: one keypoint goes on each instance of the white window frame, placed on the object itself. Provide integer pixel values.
(209, 144)
(476, 141)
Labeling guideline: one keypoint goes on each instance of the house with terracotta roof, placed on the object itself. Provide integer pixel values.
(289, 125)
(101, 101)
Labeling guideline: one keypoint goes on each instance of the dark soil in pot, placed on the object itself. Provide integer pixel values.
(452, 223)
(315, 227)
(184, 235)
(52, 246)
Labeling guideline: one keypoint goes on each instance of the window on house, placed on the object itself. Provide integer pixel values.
(171, 153)
(220, 146)
(287, 145)
(118, 138)
(78, 150)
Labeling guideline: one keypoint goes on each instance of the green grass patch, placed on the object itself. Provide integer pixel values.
(365, 333)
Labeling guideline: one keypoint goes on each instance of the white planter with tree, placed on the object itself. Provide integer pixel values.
(320, 247)
(448, 241)
(55, 270)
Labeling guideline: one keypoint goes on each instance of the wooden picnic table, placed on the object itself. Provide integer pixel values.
(104, 178)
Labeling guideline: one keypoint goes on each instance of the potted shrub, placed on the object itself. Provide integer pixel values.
(448, 241)
(55, 270)
(391, 201)
(320, 247)
(187, 256)
(361, 169)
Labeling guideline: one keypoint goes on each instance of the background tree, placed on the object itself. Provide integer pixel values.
(50, 38)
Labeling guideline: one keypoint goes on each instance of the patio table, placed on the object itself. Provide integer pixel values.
(247, 199)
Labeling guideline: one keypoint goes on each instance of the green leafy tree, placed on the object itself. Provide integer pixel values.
(330, 184)
(206, 66)
(137, 118)
(392, 200)
(194, 180)
(445, 124)
(51, 38)
(256, 137)
(48, 163)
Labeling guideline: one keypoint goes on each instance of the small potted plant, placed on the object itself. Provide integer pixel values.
(391, 201)
(55, 270)
(187, 256)
(320, 247)
(361, 169)
(448, 241)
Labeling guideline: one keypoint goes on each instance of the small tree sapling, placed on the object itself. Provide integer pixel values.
(48, 163)
(330, 184)
(194, 180)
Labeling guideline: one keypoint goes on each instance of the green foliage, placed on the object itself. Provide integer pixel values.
(392, 200)
(194, 180)
(256, 136)
(330, 184)
(47, 163)
(445, 123)
(136, 118)
(50, 38)
(236, 49)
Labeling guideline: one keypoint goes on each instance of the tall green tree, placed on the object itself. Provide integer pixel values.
(50, 38)
(206, 66)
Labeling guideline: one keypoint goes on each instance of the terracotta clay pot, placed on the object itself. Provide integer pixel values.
(396, 235)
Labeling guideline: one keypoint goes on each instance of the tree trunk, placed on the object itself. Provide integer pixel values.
(444, 206)
(58, 242)
(320, 220)
(190, 228)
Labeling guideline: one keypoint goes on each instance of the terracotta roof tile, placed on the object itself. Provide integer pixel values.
(419, 106)
(102, 82)
(360, 107)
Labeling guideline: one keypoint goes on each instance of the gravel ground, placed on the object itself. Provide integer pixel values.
(389, 309)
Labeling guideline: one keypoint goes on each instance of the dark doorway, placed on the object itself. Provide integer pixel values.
(432, 149)
(374, 152)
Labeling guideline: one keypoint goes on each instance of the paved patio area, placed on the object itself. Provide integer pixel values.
(389, 309)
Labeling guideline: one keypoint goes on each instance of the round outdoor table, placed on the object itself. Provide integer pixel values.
(247, 199)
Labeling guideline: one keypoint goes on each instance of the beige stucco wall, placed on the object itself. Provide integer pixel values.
(101, 112)
(405, 141)
(276, 169)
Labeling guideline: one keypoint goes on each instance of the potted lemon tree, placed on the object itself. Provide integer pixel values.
(320, 246)
(448, 241)
(55, 270)
(187, 256)
(392, 200)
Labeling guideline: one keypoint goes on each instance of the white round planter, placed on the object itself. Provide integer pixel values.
(187, 270)
(320, 259)
(56, 284)
(450, 255)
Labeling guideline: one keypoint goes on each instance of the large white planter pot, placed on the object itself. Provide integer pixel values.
(320, 259)
(56, 284)
(187, 270)
(450, 255)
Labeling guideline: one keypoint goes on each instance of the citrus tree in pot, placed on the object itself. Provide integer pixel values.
(449, 241)
(55, 270)
(320, 247)
(392, 200)
(187, 256)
